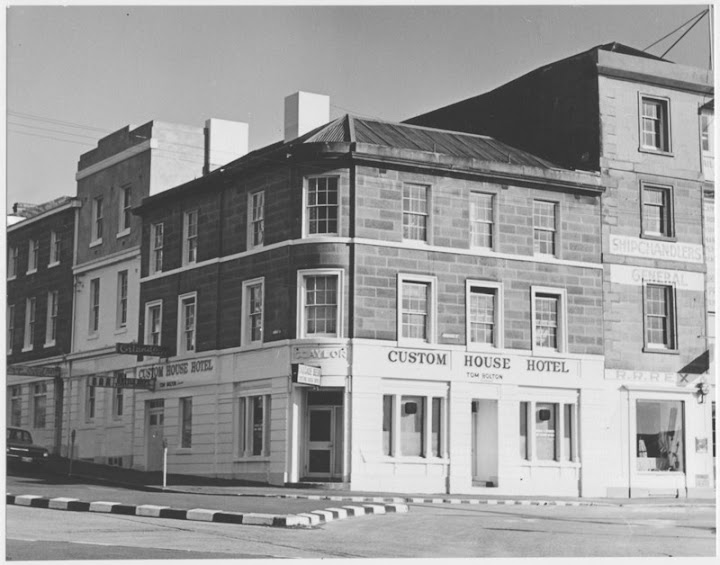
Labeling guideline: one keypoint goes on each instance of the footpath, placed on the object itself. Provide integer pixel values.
(89, 487)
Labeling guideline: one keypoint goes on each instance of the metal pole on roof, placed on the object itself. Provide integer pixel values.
(710, 32)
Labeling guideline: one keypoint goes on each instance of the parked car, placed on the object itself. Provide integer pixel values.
(20, 448)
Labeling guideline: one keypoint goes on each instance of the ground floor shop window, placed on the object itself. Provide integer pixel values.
(39, 405)
(660, 435)
(16, 406)
(547, 431)
(254, 429)
(413, 426)
(186, 422)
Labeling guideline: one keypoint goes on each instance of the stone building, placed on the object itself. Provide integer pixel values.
(377, 304)
(40, 250)
(645, 123)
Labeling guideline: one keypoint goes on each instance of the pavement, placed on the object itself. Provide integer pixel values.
(89, 487)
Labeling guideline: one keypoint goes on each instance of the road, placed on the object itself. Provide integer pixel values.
(426, 531)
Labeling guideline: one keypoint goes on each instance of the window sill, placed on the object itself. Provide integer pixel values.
(483, 348)
(414, 460)
(411, 344)
(53, 264)
(658, 237)
(93, 336)
(31, 271)
(120, 331)
(655, 151)
(251, 346)
(539, 463)
(49, 344)
(646, 473)
(12, 278)
(545, 351)
(26, 349)
(123, 233)
(661, 350)
(252, 459)
(188, 263)
(95, 243)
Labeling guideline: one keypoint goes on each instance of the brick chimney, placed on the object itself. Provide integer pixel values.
(305, 111)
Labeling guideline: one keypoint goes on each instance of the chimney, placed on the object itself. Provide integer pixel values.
(304, 111)
(225, 141)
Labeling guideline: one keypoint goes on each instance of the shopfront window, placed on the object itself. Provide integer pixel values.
(254, 432)
(411, 425)
(524, 431)
(545, 432)
(660, 436)
(387, 424)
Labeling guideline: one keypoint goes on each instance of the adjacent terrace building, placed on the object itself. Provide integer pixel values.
(389, 306)
(646, 123)
(40, 250)
(125, 167)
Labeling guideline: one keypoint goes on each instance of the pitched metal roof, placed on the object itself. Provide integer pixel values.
(418, 138)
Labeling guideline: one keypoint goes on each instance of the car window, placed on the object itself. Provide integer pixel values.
(22, 436)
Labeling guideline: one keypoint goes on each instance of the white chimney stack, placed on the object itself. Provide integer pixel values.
(305, 111)
(225, 141)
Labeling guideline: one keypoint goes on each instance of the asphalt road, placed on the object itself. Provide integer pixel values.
(426, 531)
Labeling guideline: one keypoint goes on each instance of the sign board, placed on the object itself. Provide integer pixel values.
(653, 249)
(306, 374)
(142, 349)
(121, 381)
(24, 370)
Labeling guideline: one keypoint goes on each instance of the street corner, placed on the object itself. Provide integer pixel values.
(308, 519)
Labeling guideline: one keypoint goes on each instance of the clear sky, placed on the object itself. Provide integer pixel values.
(75, 74)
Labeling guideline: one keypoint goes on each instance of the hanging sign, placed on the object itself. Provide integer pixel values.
(306, 374)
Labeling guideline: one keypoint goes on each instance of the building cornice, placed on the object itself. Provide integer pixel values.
(44, 215)
(108, 260)
(117, 158)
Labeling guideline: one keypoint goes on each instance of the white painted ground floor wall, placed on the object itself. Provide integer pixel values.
(405, 419)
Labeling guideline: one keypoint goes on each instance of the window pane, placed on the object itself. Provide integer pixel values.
(482, 316)
(568, 455)
(415, 302)
(415, 210)
(660, 436)
(436, 414)
(387, 424)
(321, 304)
(546, 321)
(257, 425)
(523, 430)
(186, 414)
(411, 425)
(545, 426)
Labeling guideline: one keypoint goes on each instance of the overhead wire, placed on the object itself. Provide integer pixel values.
(686, 32)
(676, 29)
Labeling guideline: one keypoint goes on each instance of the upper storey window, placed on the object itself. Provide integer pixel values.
(97, 221)
(655, 124)
(12, 262)
(190, 237)
(657, 211)
(481, 220)
(256, 218)
(545, 222)
(415, 212)
(55, 246)
(156, 251)
(125, 213)
(33, 252)
(322, 206)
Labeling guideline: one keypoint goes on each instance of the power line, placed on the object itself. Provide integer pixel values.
(51, 130)
(686, 32)
(48, 137)
(35, 117)
(676, 29)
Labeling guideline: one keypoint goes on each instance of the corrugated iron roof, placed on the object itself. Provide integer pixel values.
(418, 138)
(31, 210)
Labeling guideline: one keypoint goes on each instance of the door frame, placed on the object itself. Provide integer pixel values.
(148, 445)
(332, 447)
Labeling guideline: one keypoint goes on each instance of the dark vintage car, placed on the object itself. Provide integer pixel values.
(20, 448)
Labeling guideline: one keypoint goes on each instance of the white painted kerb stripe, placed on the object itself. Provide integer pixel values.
(149, 510)
(26, 499)
(102, 506)
(61, 503)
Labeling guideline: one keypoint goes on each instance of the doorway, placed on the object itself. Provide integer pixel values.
(155, 410)
(484, 438)
(324, 436)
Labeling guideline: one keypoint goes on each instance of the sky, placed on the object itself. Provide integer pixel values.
(75, 74)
